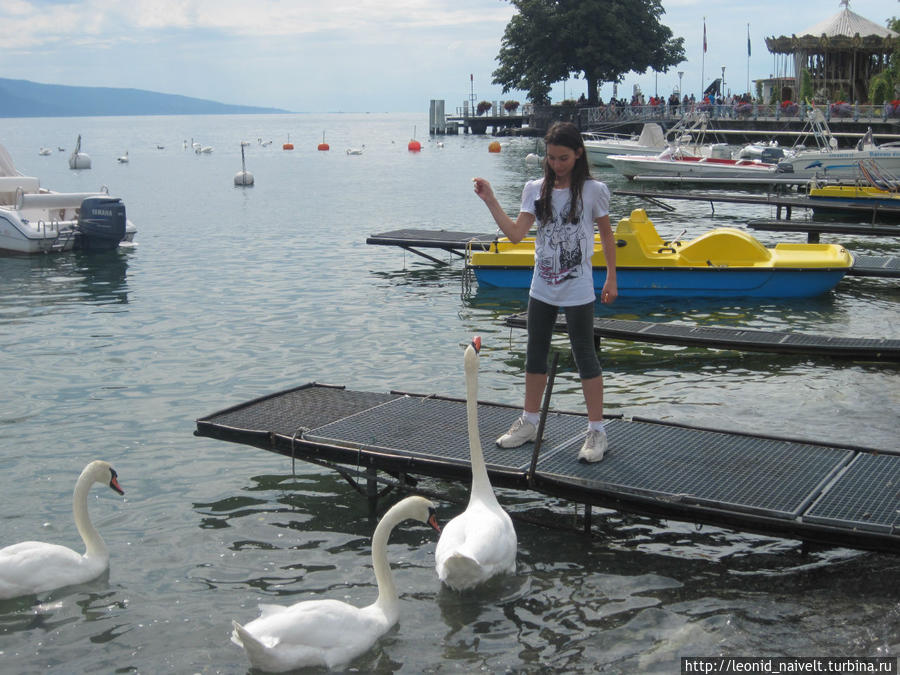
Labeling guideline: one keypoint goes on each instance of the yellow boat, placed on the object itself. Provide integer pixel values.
(725, 262)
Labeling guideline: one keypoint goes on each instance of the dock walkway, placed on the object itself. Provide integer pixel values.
(739, 339)
(816, 492)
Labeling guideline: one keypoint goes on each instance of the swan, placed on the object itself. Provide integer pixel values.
(31, 567)
(356, 151)
(480, 542)
(330, 632)
(123, 159)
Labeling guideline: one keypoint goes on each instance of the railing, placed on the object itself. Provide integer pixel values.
(612, 113)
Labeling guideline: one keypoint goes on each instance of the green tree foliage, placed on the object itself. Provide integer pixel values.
(882, 87)
(547, 41)
(806, 86)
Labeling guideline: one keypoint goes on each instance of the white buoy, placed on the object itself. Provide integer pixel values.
(78, 159)
(243, 177)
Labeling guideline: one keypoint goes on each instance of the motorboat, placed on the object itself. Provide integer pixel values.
(36, 220)
(599, 146)
(675, 162)
(828, 161)
(688, 134)
(724, 262)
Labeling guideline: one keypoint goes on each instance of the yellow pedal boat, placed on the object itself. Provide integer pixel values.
(725, 262)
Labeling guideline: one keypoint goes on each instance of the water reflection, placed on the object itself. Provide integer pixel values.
(30, 284)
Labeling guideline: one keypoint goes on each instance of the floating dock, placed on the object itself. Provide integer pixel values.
(820, 493)
(873, 213)
(738, 339)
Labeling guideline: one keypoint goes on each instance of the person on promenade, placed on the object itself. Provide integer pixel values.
(566, 204)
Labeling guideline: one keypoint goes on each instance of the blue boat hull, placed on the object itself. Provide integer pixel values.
(691, 281)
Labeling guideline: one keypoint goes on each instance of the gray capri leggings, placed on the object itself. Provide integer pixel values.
(580, 322)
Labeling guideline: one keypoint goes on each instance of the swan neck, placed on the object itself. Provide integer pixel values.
(481, 484)
(387, 591)
(93, 542)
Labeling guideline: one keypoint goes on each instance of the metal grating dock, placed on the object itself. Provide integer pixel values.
(742, 339)
(805, 490)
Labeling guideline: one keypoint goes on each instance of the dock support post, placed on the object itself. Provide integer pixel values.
(372, 488)
(587, 518)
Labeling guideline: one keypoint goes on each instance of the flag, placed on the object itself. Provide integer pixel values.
(704, 34)
(748, 40)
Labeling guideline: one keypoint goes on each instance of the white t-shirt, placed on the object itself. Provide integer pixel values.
(562, 250)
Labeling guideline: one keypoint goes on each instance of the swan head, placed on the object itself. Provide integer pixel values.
(101, 472)
(418, 508)
(471, 355)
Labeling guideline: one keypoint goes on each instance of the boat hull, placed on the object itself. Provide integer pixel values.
(690, 167)
(689, 281)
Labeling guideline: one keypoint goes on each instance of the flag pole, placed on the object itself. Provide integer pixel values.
(748, 58)
(703, 62)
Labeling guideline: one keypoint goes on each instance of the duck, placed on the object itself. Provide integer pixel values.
(329, 632)
(32, 567)
(479, 543)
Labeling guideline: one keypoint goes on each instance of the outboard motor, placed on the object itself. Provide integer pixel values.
(101, 224)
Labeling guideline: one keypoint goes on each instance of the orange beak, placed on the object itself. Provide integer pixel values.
(476, 343)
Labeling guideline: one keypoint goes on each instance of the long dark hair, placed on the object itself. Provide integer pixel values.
(566, 134)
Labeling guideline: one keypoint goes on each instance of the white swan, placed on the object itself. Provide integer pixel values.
(123, 159)
(330, 632)
(480, 542)
(31, 567)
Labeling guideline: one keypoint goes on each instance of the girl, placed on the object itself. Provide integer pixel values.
(565, 203)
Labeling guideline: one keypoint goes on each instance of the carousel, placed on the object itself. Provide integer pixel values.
(841, 54)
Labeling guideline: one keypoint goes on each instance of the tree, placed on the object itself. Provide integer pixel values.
(547, 41)
(882, 87)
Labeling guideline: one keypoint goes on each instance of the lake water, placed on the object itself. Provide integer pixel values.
(231, 293)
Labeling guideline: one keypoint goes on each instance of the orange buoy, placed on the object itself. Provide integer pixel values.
(414, 146)
(494, 146)
(323, 146)
(288, 145)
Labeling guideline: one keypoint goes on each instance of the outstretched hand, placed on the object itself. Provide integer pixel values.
(483, 189)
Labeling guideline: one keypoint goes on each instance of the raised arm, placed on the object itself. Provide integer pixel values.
(514, 229)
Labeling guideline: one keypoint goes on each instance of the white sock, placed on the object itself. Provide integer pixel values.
(533, 418)
(596, 426)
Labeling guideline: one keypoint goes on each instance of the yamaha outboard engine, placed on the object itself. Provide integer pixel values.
(101, 224)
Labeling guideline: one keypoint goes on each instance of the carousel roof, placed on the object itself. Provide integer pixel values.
(844, 30)
(847, 24)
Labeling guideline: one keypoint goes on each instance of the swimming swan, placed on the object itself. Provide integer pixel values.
(330, 632)
(31, 567)
(480, 542)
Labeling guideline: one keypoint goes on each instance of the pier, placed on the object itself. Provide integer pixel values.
(815, 492)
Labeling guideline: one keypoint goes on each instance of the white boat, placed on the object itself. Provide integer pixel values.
(652, 141)
(689, 133)
(673, 162)
(830, 162)
(36, 220)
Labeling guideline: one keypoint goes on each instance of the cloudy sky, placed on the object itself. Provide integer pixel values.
(356, 55)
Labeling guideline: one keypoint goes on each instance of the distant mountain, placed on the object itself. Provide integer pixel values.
(21, 98)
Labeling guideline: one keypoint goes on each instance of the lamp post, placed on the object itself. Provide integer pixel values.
(680, 75)
(723, 82)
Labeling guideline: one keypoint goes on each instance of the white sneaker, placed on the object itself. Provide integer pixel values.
(594, 447)
(521, 432)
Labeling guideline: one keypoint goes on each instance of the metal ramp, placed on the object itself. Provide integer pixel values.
(741, 339)
(815, 492)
